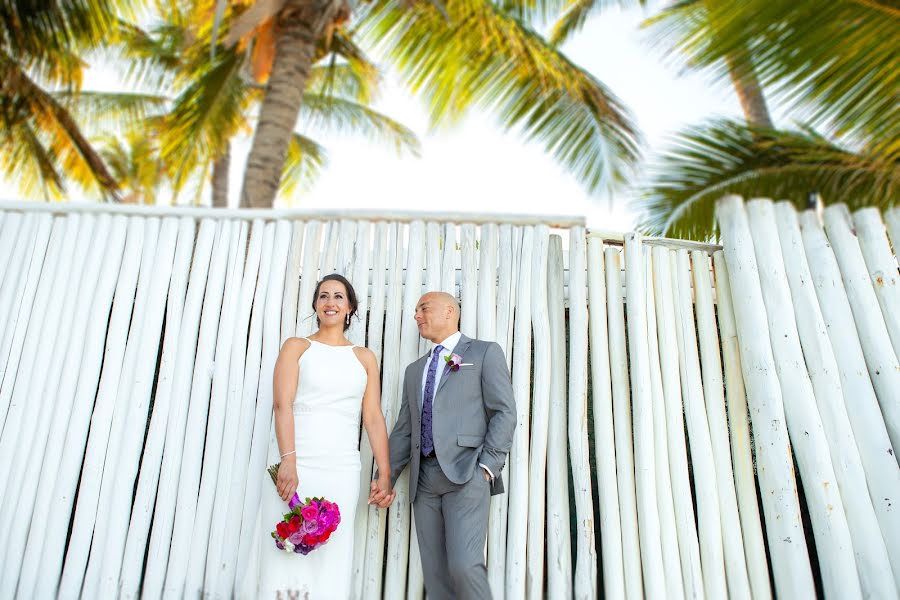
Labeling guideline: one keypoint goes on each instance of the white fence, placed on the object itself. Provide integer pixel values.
(137, 345)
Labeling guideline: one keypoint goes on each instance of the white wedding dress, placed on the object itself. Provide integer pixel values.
(327, 411)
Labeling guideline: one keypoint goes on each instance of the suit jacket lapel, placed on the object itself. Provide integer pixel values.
(460, 349)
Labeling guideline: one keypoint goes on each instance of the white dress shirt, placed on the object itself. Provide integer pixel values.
(448, 345)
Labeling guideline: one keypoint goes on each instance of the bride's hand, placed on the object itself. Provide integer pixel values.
(287, 478)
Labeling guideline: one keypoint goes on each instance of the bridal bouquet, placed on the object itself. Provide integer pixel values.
(308, 525)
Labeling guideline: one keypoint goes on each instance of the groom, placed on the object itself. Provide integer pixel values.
(454, 429)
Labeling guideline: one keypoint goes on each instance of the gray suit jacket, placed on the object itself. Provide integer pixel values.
(474, 417)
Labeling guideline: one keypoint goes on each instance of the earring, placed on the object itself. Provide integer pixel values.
(348, 318)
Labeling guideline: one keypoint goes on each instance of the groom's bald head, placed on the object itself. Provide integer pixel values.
(437, 316)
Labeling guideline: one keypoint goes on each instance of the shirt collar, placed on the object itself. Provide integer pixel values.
(450, 343)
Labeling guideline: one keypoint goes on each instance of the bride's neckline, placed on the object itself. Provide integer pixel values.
(331, 345)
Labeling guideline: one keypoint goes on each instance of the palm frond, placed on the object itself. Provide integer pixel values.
(205, 116)
(836, 62)
(725, 157)
(330, 113)
(483, 57)
(104, 111)
(303, 165)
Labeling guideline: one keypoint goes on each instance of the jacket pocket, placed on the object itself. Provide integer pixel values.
(469, 441)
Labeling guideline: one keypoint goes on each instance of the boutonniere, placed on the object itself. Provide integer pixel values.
(453, 361)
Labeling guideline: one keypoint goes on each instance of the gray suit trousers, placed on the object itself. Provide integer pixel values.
(451, 526)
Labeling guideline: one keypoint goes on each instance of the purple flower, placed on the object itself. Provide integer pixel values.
(453, 362)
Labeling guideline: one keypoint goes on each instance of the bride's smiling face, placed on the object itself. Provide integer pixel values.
(332, 304)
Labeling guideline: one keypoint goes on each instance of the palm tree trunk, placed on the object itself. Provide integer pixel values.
(295, 46)
(750, 94)
(220, 172)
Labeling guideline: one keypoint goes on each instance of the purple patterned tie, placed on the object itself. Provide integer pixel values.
(427, 398)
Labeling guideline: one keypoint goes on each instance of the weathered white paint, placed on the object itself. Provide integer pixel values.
(585, 587)
(559, 540)
(688, 543)
(642, 410)
(604, 434)
(267, 300)
(884, 368)
(540, 417)
(714, 399)
(787, 546)
(892, 218)
(739, 425)
(621, 400)
(668, 530)
(707, 491)
(875, 574)
(882, 266)
(517, 522)
(826, 509)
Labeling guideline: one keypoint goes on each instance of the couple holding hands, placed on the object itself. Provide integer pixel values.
(454, 430)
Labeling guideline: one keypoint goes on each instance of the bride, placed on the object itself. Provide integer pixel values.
(322, 383)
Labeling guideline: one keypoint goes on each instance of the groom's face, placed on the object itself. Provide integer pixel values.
(434, 317)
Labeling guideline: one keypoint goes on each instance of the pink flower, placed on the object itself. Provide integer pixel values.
(309, 513)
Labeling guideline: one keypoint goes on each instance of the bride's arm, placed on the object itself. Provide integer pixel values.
(373, 420)
(287, 371)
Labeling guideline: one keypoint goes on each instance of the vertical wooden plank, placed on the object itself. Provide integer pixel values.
(642, 409)
(433, 251)
(707, 493)
(167, 490)
(328, 259)
(559, 542)
(714, 397)
(390, 396)
(826, 509)
(875, 573)
(292, 281)
(668, 530)
(262, 423)
(682, 497)
(309, 276)
(243, 478)
(84, 455)
(214, 574)
(344, 262)
(742, 458)
(878, 457)
(398, 557)
(22, 440)
(508, 251)
(585, 584)
(12, 287)
(540, 420)
(611, 553)
(468, 287)
(517, 527)
(25, 384)
(884, 368)
(882, 267)
(450, 260)
(621, 394)
(21, 296)
(219, 398)
(359, 278)
(892, 218)
(145, 497)
(138, 395)
(75, 414)
(787, 546)
(9, 232)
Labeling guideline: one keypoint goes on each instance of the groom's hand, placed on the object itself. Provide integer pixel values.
(381, 496)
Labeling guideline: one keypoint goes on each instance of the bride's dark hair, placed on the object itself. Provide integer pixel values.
(351, 296)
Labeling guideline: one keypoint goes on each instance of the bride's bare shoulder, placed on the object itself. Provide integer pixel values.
(294, 347)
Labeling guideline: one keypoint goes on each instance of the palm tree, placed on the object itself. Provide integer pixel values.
(457, 56)
(832, 63)
(41, 69)
(213, 96)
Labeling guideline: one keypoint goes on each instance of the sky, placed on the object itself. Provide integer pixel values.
(476, 166)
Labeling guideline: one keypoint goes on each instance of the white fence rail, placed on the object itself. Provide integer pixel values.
(655, 381)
